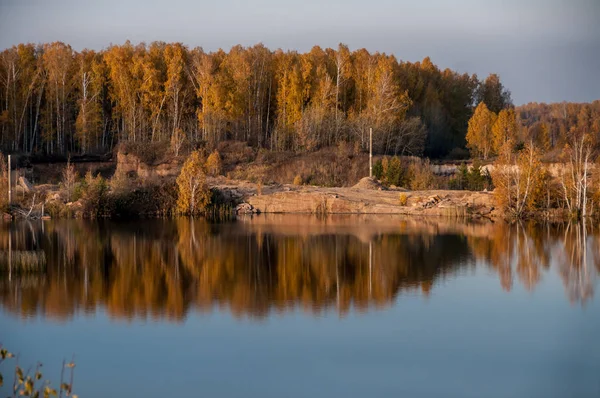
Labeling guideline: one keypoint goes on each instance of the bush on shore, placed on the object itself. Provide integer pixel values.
(471, 179)
(193, 193)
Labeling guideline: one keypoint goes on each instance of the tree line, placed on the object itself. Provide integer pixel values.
(522, 139)
(56, 100)
(550, 127)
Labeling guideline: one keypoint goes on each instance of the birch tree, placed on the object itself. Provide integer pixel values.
(88, 124)
(576, 174)
(480, 139)
(516, 178)
(58, 61)
(193, 193)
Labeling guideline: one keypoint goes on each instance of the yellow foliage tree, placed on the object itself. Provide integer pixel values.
(505, 128)
(518, 179)
(214, 165)
(479, 133)
(544, 138)
(193, 193)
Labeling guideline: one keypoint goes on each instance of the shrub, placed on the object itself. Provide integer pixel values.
(119, 182)
(402, 199)
(69, 181)
(214, 164)
(31, 384)
(459, 180)
(378, 169)
(298, 180)
(158, 199)
(344, 150)
(394, 173)
(94, 195)
(193, 193)
(421, 176)
(546, 193)
(475, 178)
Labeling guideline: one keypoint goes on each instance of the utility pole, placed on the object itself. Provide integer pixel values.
(10, 252)
(371, 152)
(9, 190)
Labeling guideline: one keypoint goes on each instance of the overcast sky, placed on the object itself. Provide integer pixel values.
(543, 50)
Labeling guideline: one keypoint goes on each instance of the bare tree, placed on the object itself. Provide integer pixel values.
(575, 177)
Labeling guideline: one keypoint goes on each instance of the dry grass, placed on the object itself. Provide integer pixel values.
(331, 167)
(147, 152)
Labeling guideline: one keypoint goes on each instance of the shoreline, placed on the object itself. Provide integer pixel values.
(239, 197)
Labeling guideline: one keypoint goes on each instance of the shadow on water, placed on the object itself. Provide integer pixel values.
(256, 266)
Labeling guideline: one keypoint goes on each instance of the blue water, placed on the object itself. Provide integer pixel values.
(465, 336)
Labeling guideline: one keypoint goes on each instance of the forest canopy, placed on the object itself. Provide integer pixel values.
(57, 100)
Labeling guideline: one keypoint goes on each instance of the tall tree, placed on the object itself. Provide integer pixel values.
(58, 62)
(89, 122)
(494, 94)
(480, 139)
(504, 128)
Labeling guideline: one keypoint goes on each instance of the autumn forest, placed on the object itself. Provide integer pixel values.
(59, 102)
(56, 100)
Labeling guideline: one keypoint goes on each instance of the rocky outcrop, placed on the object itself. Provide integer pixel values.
(315, 200)
(245, 208)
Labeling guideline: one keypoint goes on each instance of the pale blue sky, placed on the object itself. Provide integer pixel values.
(544, 50)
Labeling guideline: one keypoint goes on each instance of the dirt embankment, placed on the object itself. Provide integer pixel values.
(366, 197)
(271, 194)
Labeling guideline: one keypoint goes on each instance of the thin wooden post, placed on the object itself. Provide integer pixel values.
(10, 252)
(370, 152)
(9, 183)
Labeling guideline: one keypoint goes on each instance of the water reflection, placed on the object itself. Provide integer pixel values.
(260, 265)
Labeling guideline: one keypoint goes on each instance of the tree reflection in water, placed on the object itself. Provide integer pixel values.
(252, 267)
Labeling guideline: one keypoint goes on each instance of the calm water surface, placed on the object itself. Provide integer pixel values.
(299, 306)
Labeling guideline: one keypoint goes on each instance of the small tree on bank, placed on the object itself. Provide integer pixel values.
(576, 177)
(517, 177)
(69, 179)
(193, 193)
(214, 165)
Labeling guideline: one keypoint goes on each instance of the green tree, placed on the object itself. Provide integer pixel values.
(494, 94)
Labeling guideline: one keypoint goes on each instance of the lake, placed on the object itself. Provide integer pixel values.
(303, 306)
